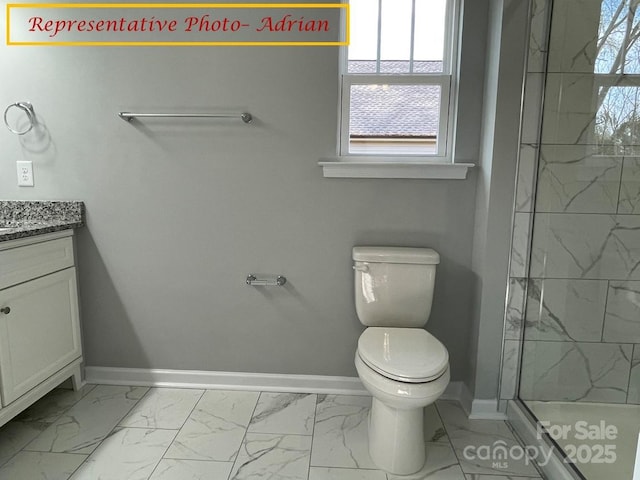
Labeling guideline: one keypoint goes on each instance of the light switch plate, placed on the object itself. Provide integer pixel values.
(25, 173)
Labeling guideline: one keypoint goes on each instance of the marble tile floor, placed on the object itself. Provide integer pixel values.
(136, 433)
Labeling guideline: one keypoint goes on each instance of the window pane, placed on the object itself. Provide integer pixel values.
(363, 49)
(618, 33)
(395, 48)
(618, 120)
(395, 42)
(394, 119)
(428, 50)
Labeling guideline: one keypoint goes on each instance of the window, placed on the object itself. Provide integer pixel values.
(398, 87)
(616, 83)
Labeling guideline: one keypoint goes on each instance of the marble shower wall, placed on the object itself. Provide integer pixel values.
(573, 312)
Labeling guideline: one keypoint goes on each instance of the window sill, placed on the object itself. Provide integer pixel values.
(394, 169)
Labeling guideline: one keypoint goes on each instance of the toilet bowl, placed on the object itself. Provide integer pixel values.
(401, 365)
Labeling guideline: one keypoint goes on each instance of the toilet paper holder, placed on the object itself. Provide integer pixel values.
(277, 281)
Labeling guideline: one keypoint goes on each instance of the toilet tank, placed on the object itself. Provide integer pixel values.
(394, 285)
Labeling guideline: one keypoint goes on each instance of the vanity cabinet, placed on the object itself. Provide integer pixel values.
(39, 322)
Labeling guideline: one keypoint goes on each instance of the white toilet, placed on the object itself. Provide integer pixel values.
(403, 366)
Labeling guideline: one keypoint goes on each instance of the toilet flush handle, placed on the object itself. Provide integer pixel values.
(361, 268)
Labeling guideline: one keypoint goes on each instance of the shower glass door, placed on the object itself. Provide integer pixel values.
(580, 368)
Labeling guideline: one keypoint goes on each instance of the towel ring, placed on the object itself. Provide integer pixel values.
(27, 108)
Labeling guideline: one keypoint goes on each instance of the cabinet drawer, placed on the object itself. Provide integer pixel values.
(40, 334)
(20, 264)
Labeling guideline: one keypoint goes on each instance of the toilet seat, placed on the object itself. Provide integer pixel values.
(410, 355)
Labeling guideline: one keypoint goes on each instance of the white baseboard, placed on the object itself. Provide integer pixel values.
(476, 409)
(263, 382)
(459, 392)
(486, 410)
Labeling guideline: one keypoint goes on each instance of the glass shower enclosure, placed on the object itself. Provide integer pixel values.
(580, 284)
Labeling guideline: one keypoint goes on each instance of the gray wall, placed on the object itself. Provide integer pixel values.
(180, 212)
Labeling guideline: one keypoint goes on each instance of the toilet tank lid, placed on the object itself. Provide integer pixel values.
(423, 256)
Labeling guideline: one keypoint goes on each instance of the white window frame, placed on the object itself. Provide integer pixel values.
(446, 80)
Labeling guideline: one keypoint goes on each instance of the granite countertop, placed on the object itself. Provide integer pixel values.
(19, 219)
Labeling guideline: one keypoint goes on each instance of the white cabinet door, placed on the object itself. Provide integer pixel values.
(41, 332)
